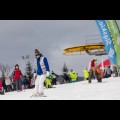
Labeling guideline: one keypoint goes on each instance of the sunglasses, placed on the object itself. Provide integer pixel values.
(37, 54)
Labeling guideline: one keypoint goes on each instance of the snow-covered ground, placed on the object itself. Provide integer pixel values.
(109, 89)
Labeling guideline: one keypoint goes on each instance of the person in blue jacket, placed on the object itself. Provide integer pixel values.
(41, 71)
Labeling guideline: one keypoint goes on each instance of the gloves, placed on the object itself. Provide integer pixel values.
(48, 73)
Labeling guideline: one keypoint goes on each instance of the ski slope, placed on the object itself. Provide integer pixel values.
(109, 89)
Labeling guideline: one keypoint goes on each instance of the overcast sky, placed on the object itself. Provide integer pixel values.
(20, 37)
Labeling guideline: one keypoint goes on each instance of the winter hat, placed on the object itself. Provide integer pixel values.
(36, 52)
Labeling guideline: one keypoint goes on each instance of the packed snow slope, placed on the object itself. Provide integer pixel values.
(109, 89)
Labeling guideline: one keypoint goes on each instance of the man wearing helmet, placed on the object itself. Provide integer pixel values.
(92, 63)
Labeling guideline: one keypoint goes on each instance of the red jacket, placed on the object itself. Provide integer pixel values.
(92, 63)
(16, 74)
(0, 85)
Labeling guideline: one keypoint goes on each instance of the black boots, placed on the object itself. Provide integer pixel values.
(100, 80)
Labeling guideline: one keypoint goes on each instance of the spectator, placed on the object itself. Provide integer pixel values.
(107, 72)
(23, 84)
(54, 78)
(114, 71)
(16, 78)
(119, 71)
(4, 85)
(73, 76)
(48, 83)
(33, 82)
(8, 84)
(26, 82)
(1, 88)
(66, 78)
(86, 74)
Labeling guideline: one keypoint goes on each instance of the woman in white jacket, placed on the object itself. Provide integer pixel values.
(41, 71)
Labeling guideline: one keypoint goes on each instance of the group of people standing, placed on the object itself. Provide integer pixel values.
(41, 76)
(41, 71)
(14, 80)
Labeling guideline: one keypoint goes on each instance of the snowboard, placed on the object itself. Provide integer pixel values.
(37, 96)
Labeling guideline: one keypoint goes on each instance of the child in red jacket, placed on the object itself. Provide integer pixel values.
(16, 78)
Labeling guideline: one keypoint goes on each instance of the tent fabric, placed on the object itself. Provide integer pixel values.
(105, 63)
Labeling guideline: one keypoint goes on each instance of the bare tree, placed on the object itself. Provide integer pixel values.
(5, 70)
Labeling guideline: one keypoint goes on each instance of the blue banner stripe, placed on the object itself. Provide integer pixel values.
(107, 40)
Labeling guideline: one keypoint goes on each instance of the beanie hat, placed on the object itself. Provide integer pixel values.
(37, 52)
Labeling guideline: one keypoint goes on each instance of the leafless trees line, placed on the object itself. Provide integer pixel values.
(5, 70)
